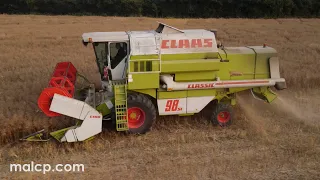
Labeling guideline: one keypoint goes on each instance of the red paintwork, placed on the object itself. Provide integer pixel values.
(186, 43)
(138, 120)
(223, 117)
(62, 82)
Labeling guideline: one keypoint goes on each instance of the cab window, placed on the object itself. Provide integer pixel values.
(101, 51)
(118, 51)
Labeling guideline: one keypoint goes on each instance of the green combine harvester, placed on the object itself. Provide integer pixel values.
(166, 71)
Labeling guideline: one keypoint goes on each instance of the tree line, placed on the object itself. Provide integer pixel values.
(167, 8)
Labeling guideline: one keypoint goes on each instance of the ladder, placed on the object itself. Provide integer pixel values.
(120, 95)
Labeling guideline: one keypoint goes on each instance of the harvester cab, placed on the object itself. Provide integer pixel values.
(166, 71)
(112, 58)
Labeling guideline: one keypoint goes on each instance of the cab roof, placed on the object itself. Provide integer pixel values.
(124, 36)
(105, 36)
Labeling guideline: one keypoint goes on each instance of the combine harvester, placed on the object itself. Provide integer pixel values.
(166, 72)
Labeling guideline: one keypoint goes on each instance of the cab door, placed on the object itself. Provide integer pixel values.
(118, 53)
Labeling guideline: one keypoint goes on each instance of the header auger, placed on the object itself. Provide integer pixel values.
(167, 71)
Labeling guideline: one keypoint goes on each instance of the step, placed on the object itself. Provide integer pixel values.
(120, 93)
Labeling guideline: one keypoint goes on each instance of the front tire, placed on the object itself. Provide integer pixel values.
(222, 115)
(141, 113)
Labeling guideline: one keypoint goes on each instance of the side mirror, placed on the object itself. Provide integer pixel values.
(84, 43)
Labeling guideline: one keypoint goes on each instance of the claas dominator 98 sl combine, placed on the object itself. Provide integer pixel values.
(166, 71)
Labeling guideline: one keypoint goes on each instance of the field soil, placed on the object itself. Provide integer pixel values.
(266, 141)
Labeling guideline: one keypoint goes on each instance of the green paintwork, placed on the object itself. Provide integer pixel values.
(230, 63)
(262, 63)
(144, 65)
(233, 102)
(265, 93)
(120, 96)
(170, 57)
(234, 90)
(171, 64)
(103, 108)
(38, 136)
(222, 54)
(202, 92)
(239, 63)
(144, 81)
(193, 56)
(144, 57)
(218, 93)
(172, 94)
(190, 65)
(60, 133)
(241, 60)
(150, 92)
(195, 76)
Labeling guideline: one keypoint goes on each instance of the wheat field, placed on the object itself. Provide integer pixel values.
(266, 141)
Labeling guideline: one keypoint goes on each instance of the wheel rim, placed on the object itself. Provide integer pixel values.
(136, 117)
(223, 117)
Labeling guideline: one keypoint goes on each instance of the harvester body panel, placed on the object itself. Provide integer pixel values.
(186, 105)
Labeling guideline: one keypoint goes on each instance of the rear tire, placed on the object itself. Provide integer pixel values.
(141, 113)
(222, 115)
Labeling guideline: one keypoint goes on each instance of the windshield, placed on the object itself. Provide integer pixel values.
(118, 52)
(101, 50)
